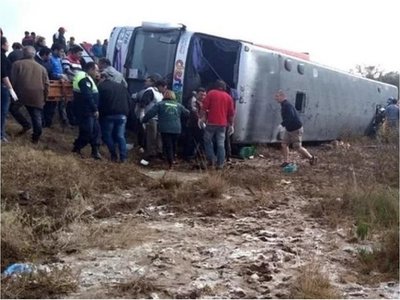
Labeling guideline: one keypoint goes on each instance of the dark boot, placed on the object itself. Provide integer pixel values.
(76, 150)
(23, 131)
(96, 153)
(35, 140)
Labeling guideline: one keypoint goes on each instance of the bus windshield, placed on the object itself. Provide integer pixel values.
(153, 53)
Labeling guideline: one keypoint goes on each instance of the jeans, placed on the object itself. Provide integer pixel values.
(194, 143)
(218, 132)
(88, 132)
(36, 117)
(228, 148)
(15, 111)
(113, 133)
(49, 110)
(5, 104)
(71, 114)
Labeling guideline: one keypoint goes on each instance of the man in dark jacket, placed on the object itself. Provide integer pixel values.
(42, 57)
(16, 54)
(59, 38)
(6, 87)
(293, 130)
(28, 39)
(114, 107)
(31, 83)
(85, 105)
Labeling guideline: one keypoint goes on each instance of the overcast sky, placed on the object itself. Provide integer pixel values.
(337, 33)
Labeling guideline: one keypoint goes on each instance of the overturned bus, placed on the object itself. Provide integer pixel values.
(330, 102)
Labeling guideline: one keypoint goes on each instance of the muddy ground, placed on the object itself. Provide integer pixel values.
(248, 243)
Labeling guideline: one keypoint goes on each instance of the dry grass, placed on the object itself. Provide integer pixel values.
(249, 177)
(384, 259)
(42, 177)
(166, 183)
(104, 235)
(44, 191)
(137, 287)
(201, 195)
(387, 162)
(213, 186)
(367, 195)
(377, 206)
(40, 284)
(17, 239)
(311, 283)
(210, 195)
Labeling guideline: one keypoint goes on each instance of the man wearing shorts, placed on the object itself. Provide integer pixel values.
(293, 130)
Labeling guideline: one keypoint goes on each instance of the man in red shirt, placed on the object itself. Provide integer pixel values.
(217, 113)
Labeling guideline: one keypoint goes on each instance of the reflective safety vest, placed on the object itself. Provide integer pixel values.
(78, 77)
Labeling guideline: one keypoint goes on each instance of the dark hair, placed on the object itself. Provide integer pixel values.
(26, 32)
(151, 79)
(161, 82)
(220, 85)
(16, 45)
(105, 61)
(200, 89)
(44, 51)
(33, 33)
(39, 39)
(89, 65)
(57, 46)
(75, 49)
(154, 77)
(3, 40)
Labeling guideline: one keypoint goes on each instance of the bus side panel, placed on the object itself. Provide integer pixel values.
(119, 46)
(112, 40)
(336, 103)
(257, 113)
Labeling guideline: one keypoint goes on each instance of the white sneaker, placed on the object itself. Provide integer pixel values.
(144, 162)
(129, 146)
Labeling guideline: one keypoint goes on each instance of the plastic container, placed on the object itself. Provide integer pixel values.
(290, 168)
(246, 152)
(18, 269)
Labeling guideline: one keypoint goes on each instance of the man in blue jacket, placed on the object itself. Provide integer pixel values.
(293, 130)
(56, 73)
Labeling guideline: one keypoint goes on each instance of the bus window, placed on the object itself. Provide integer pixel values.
(153, 53)
(300, 101)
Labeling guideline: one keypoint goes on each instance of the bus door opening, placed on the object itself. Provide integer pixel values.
(211, 58)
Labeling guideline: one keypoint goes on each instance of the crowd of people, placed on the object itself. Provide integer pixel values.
(102, 106)
(103, 109)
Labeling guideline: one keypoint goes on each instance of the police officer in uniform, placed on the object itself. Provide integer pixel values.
(85, 106)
